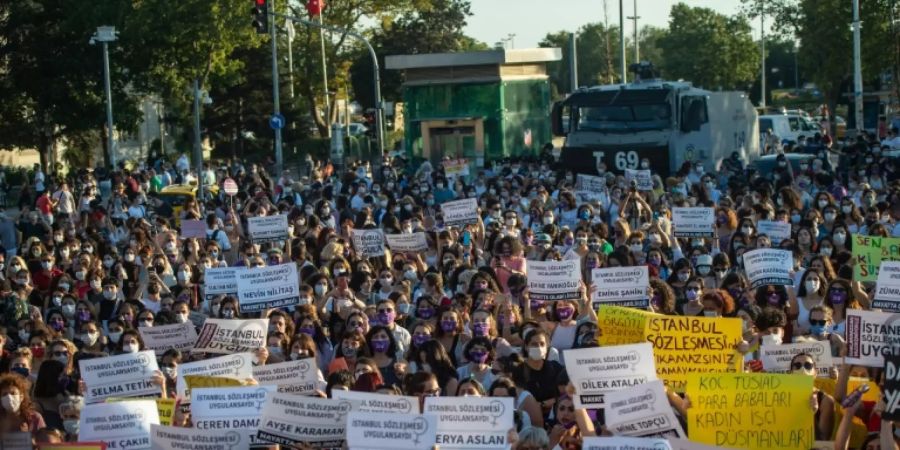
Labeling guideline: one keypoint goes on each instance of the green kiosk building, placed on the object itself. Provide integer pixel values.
(479, 106)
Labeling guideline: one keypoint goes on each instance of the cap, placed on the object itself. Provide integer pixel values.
(542, 238)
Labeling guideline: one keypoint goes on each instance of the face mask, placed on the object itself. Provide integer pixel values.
(425, 313)
(380, 345)
(11, 403)
(826, 251)
(130, 348)
(109, 295)
(62, 359)
(710, 313)
(89, 339)
(771, 339)
(811, 286)
(448, 326)
(537, 353)
(24, 335)
(68, 310)
(387, 318)
(480, 329)
(839, 238)
(319, 290)
(129, 257)
(636, 248)
(114, 336)
(795, 218)
(682, 277)
(411, 275)
(548, 220)
(838, 298)
(403, 308)
(655, 260)
(702, 270)
(228, 314)
(817, 330)
(478, 357)
(690, 294)
(184, 276)
(23, 371)
(181, 318)
(349, 352)
(564, 313)
(46, 265)
(79, 275)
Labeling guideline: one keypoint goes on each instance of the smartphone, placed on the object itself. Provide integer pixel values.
(466, 238)
(855, 395)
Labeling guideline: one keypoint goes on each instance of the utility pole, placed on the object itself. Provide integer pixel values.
(276, 101)
(573, 62)
(857, 71)
(622, 42)
(762, 47)
(289, 27)
(637, 46)
(105, 35)
(325, 77)
(198, 145)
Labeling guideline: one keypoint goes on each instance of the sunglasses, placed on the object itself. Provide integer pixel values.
(806, 366)
(818, 322)
(62, 353)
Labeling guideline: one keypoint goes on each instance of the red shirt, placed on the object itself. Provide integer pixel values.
(44, 205)
(44, 278)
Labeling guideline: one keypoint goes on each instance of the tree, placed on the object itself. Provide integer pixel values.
(712, 50)
(436, 29)
(597, 64)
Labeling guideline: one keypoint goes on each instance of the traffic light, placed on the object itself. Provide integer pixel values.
(260, 14)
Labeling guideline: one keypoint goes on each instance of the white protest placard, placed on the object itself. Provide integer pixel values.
(694, 222)
(596, 371)
(390, 431)
(776, 231)
(460, 212)
(642, 411)
(368, 242)
(777, 358)
(17, 440)
(238, 367)
(229, 408)
(261, 288)
(471, 422)
(643, 179)
(300, 377)
(372, 402)
(232, 335)
(125, 375)
(159, 338)
(168, 438)
(319, 422)
(590, 187)
(220, 281)
(267, 228)
(624, 443)
(554, 280)
(407, 242)
(870, 335)
(769, 266)
(684, 444)
(621, 286)
(120, 425)
(887, 287)
(193, 229)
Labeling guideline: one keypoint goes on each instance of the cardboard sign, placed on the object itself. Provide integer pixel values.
(868, 254)
(407, 242)
(624, 443)
(776, 231)
(685, 345)
(126, 375)
(767, 266)
(165, 407)
(193, 229)
(300, 377)
(751, 410)
(229, 408)
(887, 289)
(372, 402)
(642, 178)
(590, 187)
(460, 212)
(267, 228)
(237, 367)
(232, 335)
(319, 422)
(891, 387)
(390, 431)
(777, 358)
(471, 422)
(621, 286)
(122, 425)
(220, 281)
(642, 411)
(597, 371)
(167, 438)
(870, 335)
(694, 222)
(16, 440)
(617, 325)
(554, 280)
(369, 242)
(267, 287)
(180, 336)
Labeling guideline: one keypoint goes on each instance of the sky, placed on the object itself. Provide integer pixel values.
(531, 20)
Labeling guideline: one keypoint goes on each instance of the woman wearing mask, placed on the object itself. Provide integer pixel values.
(717, 303)
(820, 324)
(539, 373)
(18, 412)
(450, 335)
(840, 297)
(384, 287)
(186, 290)
(321, 286)
(303, 347)
(564, 413)
(310, 326)
(480, 354)
(804, 364)
(679, 277)
(352, 347)
(431, 358)
(840, 238)
(810, 295)
(508, 260)
(90, 338)
(278, 346)
(131, 342)
(662, 297)
(168, 365)
(383, 348)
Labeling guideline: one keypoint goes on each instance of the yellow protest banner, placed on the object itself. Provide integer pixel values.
(827, 386)
(684, 345)
(204, 381)
(619, 325)
(869, 252)
(751, 410)
(165, 407)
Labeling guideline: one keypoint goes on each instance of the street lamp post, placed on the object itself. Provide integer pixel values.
(105, 35)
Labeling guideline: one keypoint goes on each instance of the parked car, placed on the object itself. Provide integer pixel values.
(788, 127)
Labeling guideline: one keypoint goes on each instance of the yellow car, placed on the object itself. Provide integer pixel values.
(177, 195)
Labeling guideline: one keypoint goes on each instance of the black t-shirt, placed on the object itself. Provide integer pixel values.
(541, 383)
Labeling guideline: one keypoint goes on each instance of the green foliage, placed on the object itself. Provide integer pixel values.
(597, 62)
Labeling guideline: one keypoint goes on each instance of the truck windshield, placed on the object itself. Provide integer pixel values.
(624, 117)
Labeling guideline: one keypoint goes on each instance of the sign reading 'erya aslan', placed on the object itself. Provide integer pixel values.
(232, 335)
(261, 288)
(126, 375)
(471, 422)
(554, 280)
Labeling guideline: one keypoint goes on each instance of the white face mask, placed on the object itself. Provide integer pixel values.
(812, 286)
(537, 353)
(130, 348)
(115, 336)
(11, 402)
(771, 339)
(181, 318)
(89, 339)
